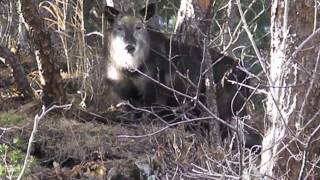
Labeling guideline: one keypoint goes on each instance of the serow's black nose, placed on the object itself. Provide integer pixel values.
(130, 49)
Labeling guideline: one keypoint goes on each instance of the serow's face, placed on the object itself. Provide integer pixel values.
(129, 38)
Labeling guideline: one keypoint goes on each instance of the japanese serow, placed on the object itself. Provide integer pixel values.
(146, 68)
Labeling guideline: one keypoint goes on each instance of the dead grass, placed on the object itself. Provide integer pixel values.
(73, 144)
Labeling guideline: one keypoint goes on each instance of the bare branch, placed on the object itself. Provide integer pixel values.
(36, 120)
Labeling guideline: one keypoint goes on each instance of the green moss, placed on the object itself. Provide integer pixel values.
(10, 119)
(15, 156)
(2, 170)
(11, 161)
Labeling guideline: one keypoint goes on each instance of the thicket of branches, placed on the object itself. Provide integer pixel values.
(56, 51)
(65, 41)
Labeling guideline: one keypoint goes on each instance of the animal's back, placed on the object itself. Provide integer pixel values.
(178, 65)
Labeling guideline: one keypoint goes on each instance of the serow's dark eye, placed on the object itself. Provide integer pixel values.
(119, 28)
(139, 27)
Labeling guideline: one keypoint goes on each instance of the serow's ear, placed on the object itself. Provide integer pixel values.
(148, 11)
(110, 13)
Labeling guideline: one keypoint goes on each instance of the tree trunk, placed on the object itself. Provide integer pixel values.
(18, 72)
(291, 145)
(53, 90)
(205, 14)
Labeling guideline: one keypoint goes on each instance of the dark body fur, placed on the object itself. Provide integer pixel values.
(186, 60)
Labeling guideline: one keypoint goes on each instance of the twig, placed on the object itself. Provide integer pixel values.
(313, 78)
(188, 97)
(37, 118)
(245, 26)
(164, 128)
(306, 153)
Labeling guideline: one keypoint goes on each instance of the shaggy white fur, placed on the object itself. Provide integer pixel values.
(120, 58)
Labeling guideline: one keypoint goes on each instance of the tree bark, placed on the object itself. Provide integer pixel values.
(18, 72)
(291, 143)
(53, 91)
(205, 14)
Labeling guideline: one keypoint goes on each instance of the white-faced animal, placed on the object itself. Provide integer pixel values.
(147, 69)
(141, 61)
